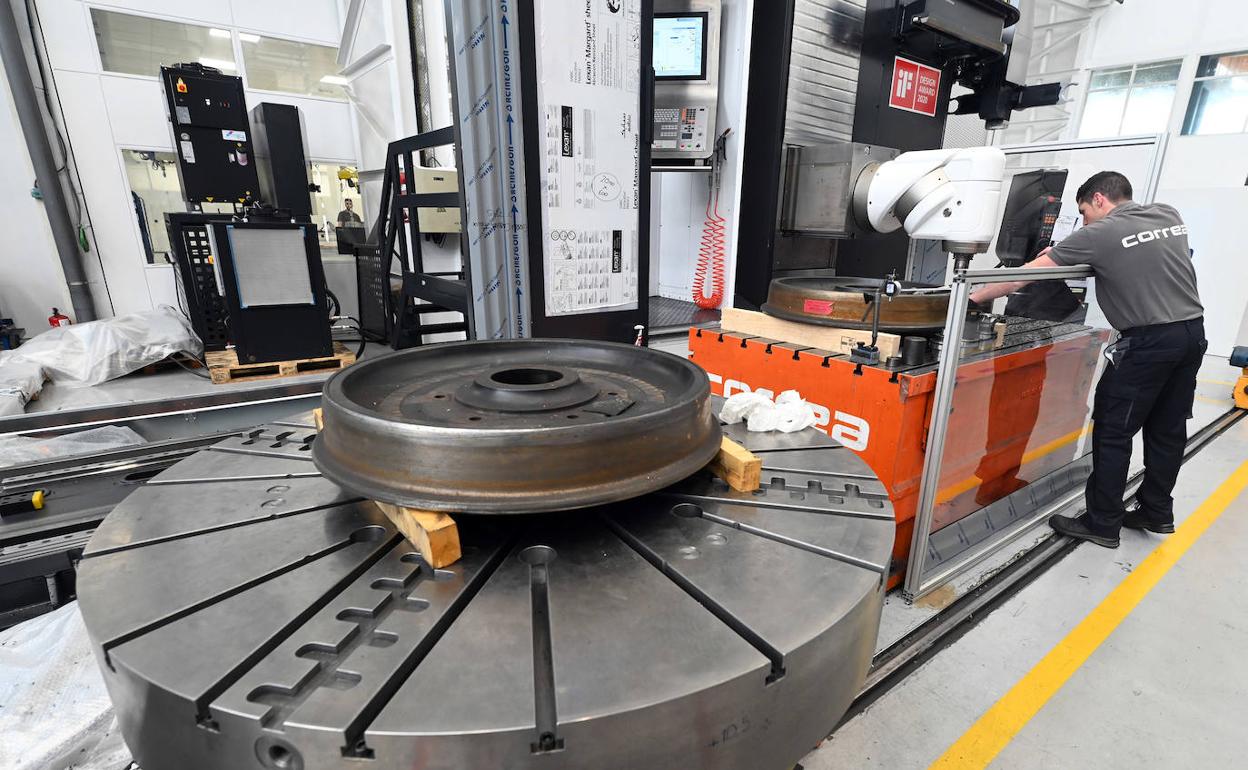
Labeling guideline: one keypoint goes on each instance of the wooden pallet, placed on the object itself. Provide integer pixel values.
(224, 367)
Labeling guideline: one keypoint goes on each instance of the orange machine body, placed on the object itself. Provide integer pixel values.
(1017, 415)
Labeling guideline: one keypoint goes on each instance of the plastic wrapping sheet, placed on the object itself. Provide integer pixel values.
(20, 450)
(88, 354)
(99, 351)
(54, 711)
(19, 382)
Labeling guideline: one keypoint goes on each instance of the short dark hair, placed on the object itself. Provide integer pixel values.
(1111, 184)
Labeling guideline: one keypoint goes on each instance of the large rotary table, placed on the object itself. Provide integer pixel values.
(249, 613)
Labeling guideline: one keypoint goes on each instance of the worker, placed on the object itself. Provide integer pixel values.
(347, 217)
(1146, 286)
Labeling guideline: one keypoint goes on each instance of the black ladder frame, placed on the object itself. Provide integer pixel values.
(421, 292)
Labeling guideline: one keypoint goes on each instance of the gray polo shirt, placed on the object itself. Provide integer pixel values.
(1144, 271)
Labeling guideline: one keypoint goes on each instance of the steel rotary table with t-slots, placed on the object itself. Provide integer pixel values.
(250, 613)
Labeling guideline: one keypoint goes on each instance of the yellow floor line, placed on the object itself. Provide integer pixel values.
(998, 726)
(1218, 382)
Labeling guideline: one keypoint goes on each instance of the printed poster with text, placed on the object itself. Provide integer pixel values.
(589, 66)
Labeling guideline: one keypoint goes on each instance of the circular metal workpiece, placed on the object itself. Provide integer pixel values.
(846, 303)
(693, 627)
(516, 426)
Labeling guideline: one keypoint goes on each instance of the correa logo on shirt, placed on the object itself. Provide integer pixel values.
(1153, 235)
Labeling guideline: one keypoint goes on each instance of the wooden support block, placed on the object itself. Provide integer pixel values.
(812, 335)
(741, 468)
(434, 534)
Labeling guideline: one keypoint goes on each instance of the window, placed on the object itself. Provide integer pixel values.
(1135, 99)
(1219, 103)
(138, 45)
(155, 190)
(290, 67)
(330, 200)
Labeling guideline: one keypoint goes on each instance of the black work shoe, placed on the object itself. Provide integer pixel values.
(1137, 519)
(1078, 528)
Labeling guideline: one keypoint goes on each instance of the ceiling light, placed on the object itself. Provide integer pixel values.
(334, 80)
(248, 37)
(219, 32)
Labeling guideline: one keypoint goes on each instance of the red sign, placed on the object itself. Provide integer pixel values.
(916, 87)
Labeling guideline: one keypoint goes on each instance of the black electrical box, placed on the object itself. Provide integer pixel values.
(211, 134)
(281, 159)
(196, 276)
(274, 286)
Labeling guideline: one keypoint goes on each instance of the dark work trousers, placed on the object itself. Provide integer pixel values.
(1149, 385)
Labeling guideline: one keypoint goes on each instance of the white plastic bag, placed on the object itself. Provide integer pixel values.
(56, 713)
(788, 413)
(86, 354)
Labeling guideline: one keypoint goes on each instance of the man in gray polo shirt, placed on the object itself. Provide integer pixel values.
(1146, 286)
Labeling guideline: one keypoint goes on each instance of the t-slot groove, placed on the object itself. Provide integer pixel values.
(778, 450)
(544, 704)
(234, 479)
(759, 502)
(721, 612)
(799, 544)
(246, 585)
(355, 744)
(809, 472)
(282, 634)
(260, 453)
(220, 527)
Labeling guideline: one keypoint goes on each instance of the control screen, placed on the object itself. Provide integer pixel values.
(680, 46)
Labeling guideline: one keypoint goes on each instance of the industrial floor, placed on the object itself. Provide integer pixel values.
(1120, 658)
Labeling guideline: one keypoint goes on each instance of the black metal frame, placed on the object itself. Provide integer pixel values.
(398, 233)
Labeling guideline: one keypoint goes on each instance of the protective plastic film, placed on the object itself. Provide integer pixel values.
(1019, 433)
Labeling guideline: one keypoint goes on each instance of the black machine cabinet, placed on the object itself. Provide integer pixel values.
(211, 134)
(194, 260)
(274, 287)
(281, 159)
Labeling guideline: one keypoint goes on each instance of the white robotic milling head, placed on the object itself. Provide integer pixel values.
(947, 195)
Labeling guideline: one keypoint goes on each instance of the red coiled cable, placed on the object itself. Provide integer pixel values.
(710, 258)
(711, 250)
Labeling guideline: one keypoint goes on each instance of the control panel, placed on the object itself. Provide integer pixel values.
(686, 80)
(682, 128)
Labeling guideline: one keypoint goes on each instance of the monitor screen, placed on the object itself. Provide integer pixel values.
(680, 46)
(270, 266)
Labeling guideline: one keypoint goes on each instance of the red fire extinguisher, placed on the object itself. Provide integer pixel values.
(58, 318)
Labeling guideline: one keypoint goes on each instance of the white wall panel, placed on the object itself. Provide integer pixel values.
(1218, 256)
(31, 280)
(310, 20)
(371, 31)
(1147, 30)
(327, 124)
(374, 99)
(136, 112)
(216, 12)
(104, 184)
(69, 35)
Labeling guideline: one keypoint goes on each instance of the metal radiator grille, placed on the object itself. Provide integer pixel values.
(823, 70)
